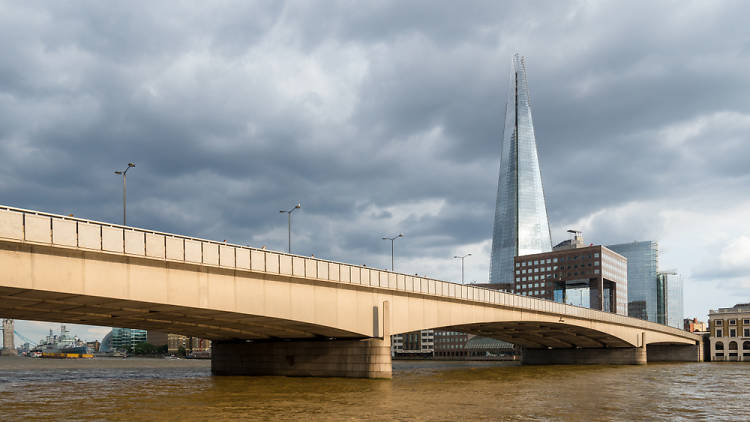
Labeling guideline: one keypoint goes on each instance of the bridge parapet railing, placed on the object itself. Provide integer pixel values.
(72, 232)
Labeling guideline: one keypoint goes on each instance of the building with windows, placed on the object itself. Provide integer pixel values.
(643, 264)
(521, 226)
(454, 345)
(652, 295)
(124, 339)
(669, 301)
(729, 333)
(591, 276)
(415, 344)
(450, 344)
(693, 325)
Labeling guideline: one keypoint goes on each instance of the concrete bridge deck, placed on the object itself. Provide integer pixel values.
(58, 268)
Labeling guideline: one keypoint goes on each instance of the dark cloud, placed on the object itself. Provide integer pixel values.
(380, 118)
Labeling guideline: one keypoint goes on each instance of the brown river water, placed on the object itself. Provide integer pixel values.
(156, 390)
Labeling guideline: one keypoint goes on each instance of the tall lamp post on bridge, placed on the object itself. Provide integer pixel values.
(392, 239)
(289, 214)
(462, 265)
(124, 192)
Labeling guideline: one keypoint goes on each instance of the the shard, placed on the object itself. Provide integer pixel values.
(521, 226)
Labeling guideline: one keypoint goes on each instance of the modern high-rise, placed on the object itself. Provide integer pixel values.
(643, 265)
(521, 226)
(653, 295)
(669, 299)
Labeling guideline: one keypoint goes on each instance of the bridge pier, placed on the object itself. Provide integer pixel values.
(591, 356)
(369, 358)
(675, 352)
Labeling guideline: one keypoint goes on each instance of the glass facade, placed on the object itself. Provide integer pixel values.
(669, 299)
(521, 226)
(643, 264)
(122, 339)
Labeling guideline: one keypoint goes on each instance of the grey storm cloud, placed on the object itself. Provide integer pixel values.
(380, 117)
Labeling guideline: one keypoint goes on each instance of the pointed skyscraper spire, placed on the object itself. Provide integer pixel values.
(521, 226)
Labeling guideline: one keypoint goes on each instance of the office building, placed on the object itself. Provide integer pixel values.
(643, 265)
(521, 226)
(589, 276)
(729, 333)
(415, 344)
(124, 339)
(669, 299)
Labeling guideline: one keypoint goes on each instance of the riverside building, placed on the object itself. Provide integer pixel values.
(589, 276)
(729, 333)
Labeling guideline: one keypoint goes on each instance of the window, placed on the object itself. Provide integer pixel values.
(596, 271)
(541, 277)
(523, 263)
(596, 255)
(550, 269)
(596, 263)
(536, 262)
(732, 332)
(719, 345)
(523, 271)
(554, 260)
(746, 332)
(719, 333)
(549, 260)
(732, 322)
(518, 272)
(719, 322)
(746, 322)
(536, 277)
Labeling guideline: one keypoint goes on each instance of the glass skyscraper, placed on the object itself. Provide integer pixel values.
(643, 264)
(521, 226)
(669, 299)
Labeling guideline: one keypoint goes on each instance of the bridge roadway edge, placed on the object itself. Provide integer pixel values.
(379, 293)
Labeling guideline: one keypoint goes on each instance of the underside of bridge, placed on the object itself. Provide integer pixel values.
(560, 344)
(543, 335)
(37, 305)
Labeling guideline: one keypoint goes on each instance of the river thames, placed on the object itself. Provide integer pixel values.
(154, 390)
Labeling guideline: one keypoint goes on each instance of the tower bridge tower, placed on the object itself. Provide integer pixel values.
(9, 347)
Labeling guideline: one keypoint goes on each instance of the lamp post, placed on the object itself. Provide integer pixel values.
(392, 239)
(124, 192)
(462, 265)
(289, 214)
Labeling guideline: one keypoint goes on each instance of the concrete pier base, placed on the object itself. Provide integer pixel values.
(320, 358)
(675, 353)
(613, 356)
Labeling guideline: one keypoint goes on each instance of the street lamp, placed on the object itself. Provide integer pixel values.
(124, 192)
(392, 239)
(289, 213)
(462, 265)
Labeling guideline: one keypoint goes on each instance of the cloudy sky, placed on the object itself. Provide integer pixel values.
(385, 117)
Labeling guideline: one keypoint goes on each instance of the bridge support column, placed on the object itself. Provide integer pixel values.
(675, 352)
(325, 358)
(612, 356)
